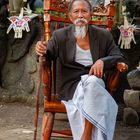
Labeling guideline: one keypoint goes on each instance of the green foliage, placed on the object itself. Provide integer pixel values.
(96, 18)
(39, 11)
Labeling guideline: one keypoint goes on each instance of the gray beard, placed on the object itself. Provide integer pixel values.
(80, 31)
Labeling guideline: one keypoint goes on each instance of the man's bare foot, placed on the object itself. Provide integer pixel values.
(87, 130)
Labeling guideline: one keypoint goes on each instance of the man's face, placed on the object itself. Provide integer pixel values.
(80, 13)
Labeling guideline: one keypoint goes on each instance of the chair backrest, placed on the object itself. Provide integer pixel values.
(57, 11)
(56, 16)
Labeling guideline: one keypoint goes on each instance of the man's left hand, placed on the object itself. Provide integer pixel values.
(97, 69)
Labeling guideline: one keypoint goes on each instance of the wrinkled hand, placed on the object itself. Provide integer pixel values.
(97, 69)
(41, 48)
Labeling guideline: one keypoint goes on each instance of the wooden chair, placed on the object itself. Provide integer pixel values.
(56, 11)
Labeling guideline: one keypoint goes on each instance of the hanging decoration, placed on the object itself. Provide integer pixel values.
(126, 34)
(20, 23)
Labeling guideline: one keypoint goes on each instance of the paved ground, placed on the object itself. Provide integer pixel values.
(17, 123)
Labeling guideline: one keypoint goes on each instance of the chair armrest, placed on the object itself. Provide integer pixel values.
(113, 77)
(122, 67)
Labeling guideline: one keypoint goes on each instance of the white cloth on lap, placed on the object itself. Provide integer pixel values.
(92, 101)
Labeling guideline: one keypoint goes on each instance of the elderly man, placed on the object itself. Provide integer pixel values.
(85, 53)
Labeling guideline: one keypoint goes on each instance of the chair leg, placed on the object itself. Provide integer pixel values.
(44, 123)
(47, 126)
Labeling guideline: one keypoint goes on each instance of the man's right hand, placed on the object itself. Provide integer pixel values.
(41, 48)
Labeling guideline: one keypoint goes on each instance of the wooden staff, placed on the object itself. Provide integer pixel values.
(41, 61)
(37, 97)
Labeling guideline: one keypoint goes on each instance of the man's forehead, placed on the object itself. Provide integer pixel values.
(80, 4)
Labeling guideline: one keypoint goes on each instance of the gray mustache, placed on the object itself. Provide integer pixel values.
(80, 20)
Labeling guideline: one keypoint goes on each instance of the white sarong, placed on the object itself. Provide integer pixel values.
(92, 101)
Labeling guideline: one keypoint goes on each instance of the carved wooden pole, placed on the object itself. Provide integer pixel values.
(120, 10)
(47, 4)
(112, 8)
(46, 78)
(46, 75)
(111, 12)
(44, 67)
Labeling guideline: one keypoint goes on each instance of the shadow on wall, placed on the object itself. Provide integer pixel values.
(3, 35)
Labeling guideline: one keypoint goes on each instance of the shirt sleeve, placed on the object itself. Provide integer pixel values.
(113, 54)
(52, 47)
